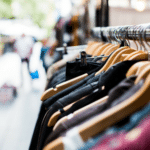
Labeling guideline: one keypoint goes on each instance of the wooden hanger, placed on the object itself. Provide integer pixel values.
(143, 74)
(53, 119)
(142, 67)
(98, 51)
(52, 91)
(90, 45)
(78, 112)
(109, 51)
(134, 68)
(118, 58)
(109, 117)
(93, 46)
(132, 54)
(107, 48)
(109, 61)
(140, 56)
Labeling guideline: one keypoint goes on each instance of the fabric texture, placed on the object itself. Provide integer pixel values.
(138, 138)
(72, 140)
(120, 68)
(108, 80)
(116, 92)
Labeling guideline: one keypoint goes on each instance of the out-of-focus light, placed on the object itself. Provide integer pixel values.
(139, 5)
(66, 8)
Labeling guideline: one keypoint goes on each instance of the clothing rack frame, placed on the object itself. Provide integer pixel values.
(118, 33)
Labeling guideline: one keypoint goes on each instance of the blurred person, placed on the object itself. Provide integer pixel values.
(23, 47)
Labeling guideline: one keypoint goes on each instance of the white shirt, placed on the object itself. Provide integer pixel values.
(23, 46)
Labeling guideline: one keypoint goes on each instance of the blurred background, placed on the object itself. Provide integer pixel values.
(30, 32)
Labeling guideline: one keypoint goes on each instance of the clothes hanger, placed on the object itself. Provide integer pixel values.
(134, 40)
(53, 119)
(112, 57)
(100, 49)
(104, 47)
(143, 56)
(78, 112)
(126, 51)
(115, 57)
(113, 48)
(132, 54)
(109, 117)
(52, 91)
(93, 46)
(136, 68)
(143, 74)
(107, 48)
(139, 66)
(90, 43)
(109, 51)
(118, 58)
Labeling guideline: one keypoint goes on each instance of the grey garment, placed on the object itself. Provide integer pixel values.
(126, 95)
(111, 78)
(131, 91)
(64, 126)
(133, 121)
(66, 91)
(115, 93)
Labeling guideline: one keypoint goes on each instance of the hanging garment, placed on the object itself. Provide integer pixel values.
(127, 125)
(133, 90)
(116, 92)
(115, 74)
(138, 138)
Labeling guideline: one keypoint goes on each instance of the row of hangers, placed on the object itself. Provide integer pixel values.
(115, 36)
(101, 48)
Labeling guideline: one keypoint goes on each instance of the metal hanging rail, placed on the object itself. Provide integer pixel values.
(117, 33)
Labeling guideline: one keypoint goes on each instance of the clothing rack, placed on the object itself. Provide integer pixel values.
(79, 48)
(118, 33)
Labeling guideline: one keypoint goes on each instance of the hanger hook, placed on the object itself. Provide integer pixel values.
(139, 31)
(106, 31)
(144, 35)
(141, 39)
(110, 34)
(115, 35)
(135, 28)
(122, 33)
(126, 36)
(134, 39)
